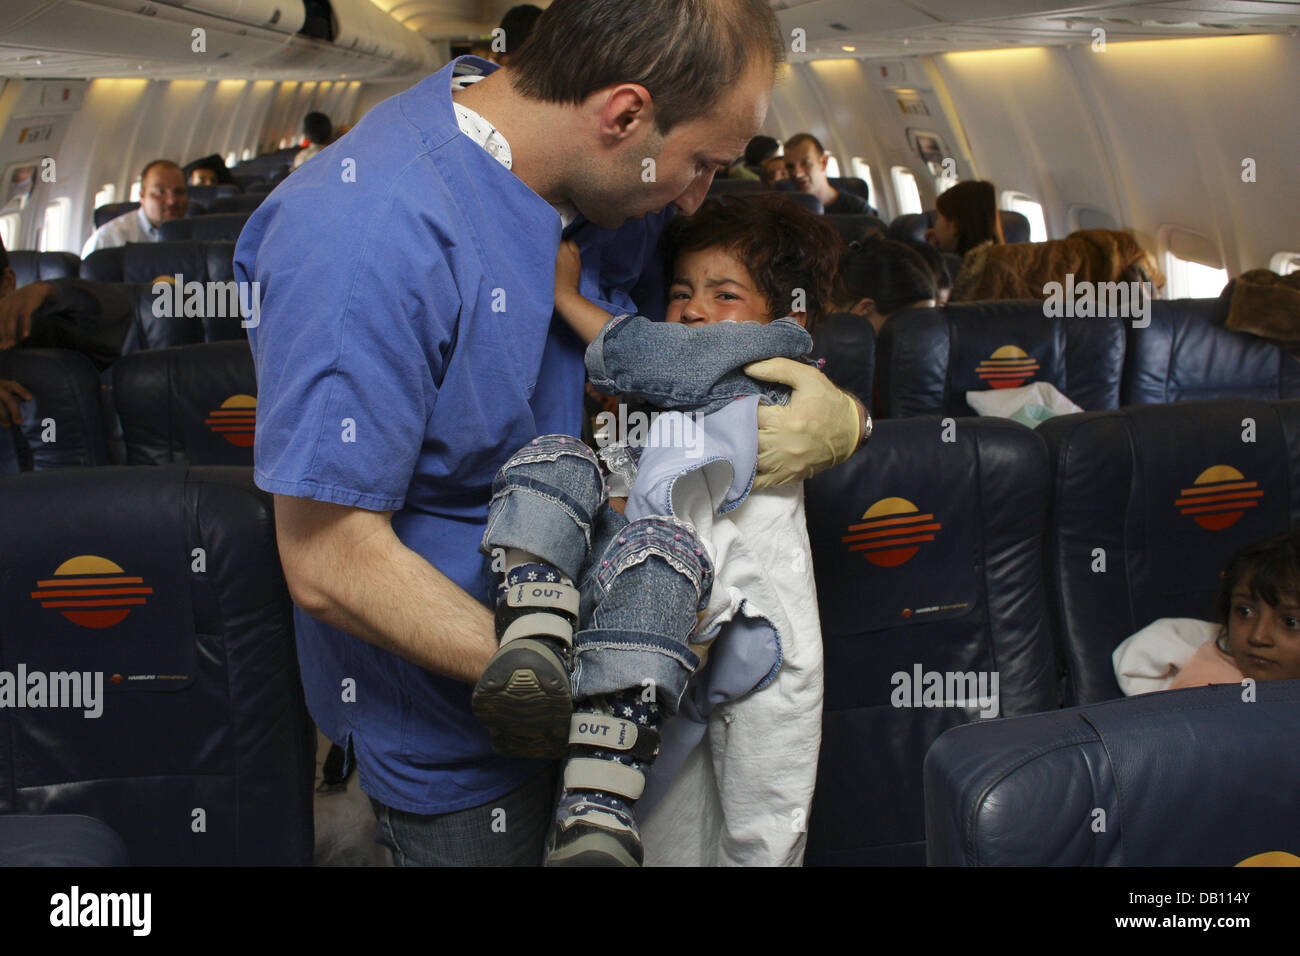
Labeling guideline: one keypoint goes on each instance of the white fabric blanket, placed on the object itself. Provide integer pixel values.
(1029, 404)
(1150, 659)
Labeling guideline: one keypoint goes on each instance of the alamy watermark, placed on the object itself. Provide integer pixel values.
(646, 430)
(175, 298)
(922, 688)
(1086, 300)
(81, 690)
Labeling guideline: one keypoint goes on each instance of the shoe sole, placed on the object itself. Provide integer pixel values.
(525, 701)
(594, 848)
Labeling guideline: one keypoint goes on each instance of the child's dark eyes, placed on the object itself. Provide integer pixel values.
(1243, 610)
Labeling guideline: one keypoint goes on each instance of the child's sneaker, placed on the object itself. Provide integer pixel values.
(523, 697)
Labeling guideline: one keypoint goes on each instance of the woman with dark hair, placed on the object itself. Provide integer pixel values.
(967, 216)
(880, 277)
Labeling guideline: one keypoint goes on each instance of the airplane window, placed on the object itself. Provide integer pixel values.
(863, 171)
(1285, 263)
(231, 158)
(1019, 202)
(832, 166)
(54, 233)
(107, 194)
(9, 229)
(1192, 280)
(247, 154)
(905, 191)
(135, 192)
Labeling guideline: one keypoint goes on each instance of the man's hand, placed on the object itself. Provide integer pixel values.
(822, 425)
(16, 312)
(345, 566)
(11, 393)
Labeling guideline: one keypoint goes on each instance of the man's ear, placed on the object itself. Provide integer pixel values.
(824, 160)
(8, 281)
(627, 110)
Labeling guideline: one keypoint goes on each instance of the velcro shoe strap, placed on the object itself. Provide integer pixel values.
(545, 594)
(609, 776)
(614, 733)
(539, 625)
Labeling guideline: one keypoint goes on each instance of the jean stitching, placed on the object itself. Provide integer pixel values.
(676, 652)
(568, 506)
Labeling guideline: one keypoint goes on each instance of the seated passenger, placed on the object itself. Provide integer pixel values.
(762, 157)
(879, 277)
(318, 130)
(938, 267)
(162, 199)
(1257, 634)
(89, 317)
(634, 577)
(966, 216)
(208, 171)
(805, 161)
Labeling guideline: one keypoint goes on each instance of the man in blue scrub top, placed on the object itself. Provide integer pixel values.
(406, 348)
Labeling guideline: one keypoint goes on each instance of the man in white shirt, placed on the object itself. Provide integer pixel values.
(162, 198)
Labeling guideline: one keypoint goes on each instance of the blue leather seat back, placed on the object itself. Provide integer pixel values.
(110, 211)
(64, 840)
(1187, 354)
(850, 184)
(65, 408)
(205, 194)
(928, 559)
(927, 359)
(212, 226)
(855, 227)
(243, 203)
(1164, 494)
(1015, 227)
(807, 200)
(191, 403)
(162, 324)
(911, 225)
(38, 266)
(194, 260)
(167, 583)
(1185, 778)
(848, 344)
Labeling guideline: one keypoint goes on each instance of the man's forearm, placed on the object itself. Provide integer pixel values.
(374, 587)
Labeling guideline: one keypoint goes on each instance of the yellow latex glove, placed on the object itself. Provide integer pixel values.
(821, 427)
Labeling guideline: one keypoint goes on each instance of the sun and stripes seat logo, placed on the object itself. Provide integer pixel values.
(1218, 497)
(92, 591)
(1007, 367)
(234, 420)
(891, 533)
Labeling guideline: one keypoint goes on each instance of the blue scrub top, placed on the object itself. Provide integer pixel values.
(406, 348)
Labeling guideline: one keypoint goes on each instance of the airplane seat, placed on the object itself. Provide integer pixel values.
(62, 425)
(850, 184)
(928, 561)
(206, 194)
(927, 359)
(59, 840)
(31, 266)
(1015, 227)
(212, 226)
(245, 203)
(1186, 353)
(911, 226)
(1148, 503)
(153, 331)
(247, 176)
(855, 227)
(807, 200)
(193, 743)
(847, 344)
(257, 188)
(189, 403)
(110, 211)
(1192, 777)
(194, 260)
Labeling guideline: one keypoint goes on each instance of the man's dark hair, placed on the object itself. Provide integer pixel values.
(886, 272)
(517, 25)
(798, 138)
(783, 245)
(144, 173)
(759, 149)
(1273, 566)
(214, 163)
(317, 127)
(686, 53)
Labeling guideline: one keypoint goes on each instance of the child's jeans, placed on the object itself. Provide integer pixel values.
(636, 614)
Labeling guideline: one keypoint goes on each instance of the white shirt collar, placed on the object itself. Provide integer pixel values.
(149, 228)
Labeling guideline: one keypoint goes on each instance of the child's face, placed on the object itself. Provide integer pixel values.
(712, 285)
(1263, 639)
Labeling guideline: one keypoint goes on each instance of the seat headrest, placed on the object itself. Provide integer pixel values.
(41, 266)
(194, 260)
(62, 425)
(208, 227)
(847, 342)
(856, 227)
(911, 225)
(1124, 783)
(851, 184)
(1015, 226)
(191, 403)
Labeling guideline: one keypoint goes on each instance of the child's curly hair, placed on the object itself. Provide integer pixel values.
(783, 245)
(1273, 566)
